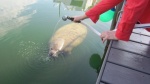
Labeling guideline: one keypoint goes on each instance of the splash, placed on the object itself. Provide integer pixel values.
(33, 50)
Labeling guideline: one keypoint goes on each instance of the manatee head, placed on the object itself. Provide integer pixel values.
(55, 46)
(53, 52)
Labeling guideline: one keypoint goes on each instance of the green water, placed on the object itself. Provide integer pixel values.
(26, 26)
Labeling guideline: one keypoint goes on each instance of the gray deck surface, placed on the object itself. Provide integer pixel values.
(127, 62)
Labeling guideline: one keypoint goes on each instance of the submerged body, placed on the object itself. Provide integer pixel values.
(66, 38)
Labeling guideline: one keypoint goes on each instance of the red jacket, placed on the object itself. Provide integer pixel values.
(133, 12)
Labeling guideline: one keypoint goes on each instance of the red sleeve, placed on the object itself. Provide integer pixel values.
(132, 11)
(100, 8)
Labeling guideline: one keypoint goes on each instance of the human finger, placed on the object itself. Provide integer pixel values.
(102, 36)
(76, 18)
(104, 39)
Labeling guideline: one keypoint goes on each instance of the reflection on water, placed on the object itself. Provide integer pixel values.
(78, 5)
(25, 29)
(10, 14)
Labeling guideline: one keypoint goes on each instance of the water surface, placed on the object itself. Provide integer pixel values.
(25, 29)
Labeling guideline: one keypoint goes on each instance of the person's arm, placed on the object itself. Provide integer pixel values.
(78, 18)
(132, 11)
(100, 8)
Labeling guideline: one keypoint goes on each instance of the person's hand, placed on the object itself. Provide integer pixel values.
(78, 18)
(108, 35)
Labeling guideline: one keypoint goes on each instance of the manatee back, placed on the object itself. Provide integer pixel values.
(73, 34)
(57, 44)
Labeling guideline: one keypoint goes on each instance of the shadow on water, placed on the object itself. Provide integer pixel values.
(95, 62)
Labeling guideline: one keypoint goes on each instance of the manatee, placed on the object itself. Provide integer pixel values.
(66, 38)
